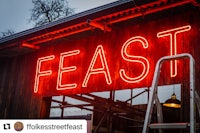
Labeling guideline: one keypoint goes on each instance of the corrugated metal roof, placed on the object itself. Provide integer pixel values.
(63, 20)
(112, 13)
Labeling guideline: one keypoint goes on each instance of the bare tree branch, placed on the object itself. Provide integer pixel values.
(45, 11)
(6, 33)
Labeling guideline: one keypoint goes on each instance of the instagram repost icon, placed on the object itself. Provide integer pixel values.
(6, 126)
(18, 126)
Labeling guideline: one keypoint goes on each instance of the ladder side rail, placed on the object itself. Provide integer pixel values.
(159, 110)
(154, 90)
(197, 100)
(192, 95)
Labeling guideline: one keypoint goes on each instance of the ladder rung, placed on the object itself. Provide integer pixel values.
(168, 125)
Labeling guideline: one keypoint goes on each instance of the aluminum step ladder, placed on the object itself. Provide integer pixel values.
(194, 98)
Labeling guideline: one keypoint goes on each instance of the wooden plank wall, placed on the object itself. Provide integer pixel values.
(17, 99)
(16, 93)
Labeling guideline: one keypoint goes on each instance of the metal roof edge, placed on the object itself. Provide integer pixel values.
(63, 20)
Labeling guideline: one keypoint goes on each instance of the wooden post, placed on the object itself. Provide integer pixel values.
(45, 107)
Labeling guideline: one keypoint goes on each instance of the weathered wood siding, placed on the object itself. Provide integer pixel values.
(17, 74)
(16, 94)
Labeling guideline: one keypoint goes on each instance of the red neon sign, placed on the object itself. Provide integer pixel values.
(102, 70)
(172, 33)
(40, 73)
(62, 70)
(136, 59)
(99, 69)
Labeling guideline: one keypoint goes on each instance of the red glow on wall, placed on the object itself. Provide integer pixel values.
(40, 73)
(102, 70)
(134, 59)
(85, 67)
(172, 33)
(64, 70)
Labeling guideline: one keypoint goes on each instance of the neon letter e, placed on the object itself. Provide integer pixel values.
(63, 70)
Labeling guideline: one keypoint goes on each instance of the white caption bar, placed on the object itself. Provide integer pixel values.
(43, 126)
